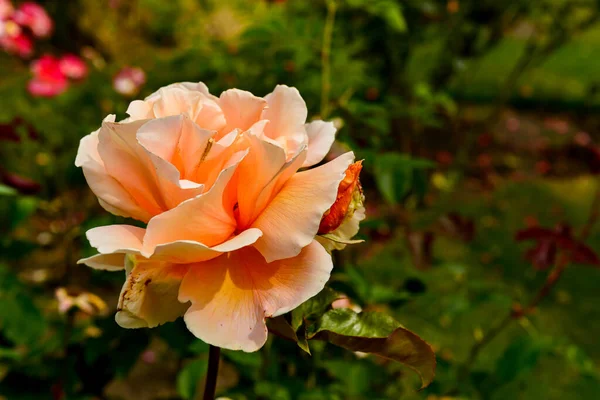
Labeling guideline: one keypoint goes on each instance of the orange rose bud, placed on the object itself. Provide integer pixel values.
(334, 217)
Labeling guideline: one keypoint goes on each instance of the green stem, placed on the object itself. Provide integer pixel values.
(325, 58)
(214, 353)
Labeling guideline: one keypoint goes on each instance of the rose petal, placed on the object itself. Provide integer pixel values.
(263, 162)
(233, 294)
(241, 109)
(111, 194)
(128, 162)
(203, 219)
(149, 295)
(139, 109)
(321, 136)
(107, 262)
(287, 114)
(191, 86)
(177, 141)
(116, 239)
(292, 218)
(188, 251)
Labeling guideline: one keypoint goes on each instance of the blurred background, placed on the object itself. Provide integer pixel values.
(478, 123)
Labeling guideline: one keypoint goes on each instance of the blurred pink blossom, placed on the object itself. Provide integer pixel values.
(18, 43)
(149, 356)
(33, 16)
(6, 10)
(48, 79)
(129, 80)
(582, 139)
(73, 66)
(345, 302)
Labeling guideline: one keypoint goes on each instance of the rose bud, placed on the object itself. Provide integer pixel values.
(341, 222)
(334, 217)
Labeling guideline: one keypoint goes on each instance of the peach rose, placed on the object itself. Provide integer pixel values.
(231, 222)
(150, 162)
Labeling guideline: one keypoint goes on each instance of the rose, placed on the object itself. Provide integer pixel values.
(231, 222)
(154, 181)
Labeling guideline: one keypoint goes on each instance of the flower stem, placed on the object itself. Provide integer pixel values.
(325, 58)
(214, 354)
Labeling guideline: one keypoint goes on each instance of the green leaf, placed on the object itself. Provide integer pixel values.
(21, 321)
(22, 209)
(314, 306)
(310, 309)
(378, 334)
(395, 175)
(242, 359)
(281, 327)
(392, 13)
(190, 375)
(355, 377)
(271, 390)
(520, 357)
(7, 190)
(10, 354)
(198, 347)
(388, 10)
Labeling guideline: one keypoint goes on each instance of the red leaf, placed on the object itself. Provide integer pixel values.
(21, 183)
(542, 256)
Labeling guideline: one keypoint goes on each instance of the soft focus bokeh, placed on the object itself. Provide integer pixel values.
(479, 128)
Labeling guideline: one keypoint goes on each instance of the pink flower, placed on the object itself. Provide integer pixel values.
(18, 44)
(6, 10)
(129, 80)
(48, 79)
(231, 221)
(73, 66)
(33, 16)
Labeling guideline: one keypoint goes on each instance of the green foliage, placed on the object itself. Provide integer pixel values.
(388, 10)
(374, 333)
(378, 334)
(189, 376)
(21, 321)
(7, 190)
(314, 307)
(398, 174)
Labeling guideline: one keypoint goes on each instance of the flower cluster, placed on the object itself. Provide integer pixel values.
(51, 75)
(19, 26)
(233, 207)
